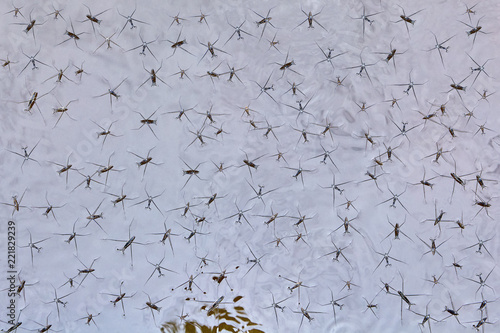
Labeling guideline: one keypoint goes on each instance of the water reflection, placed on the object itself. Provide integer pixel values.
(232, 320)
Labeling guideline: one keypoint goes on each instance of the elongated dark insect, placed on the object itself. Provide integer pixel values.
(150, 305)
(310, 18)
(30, 25)
(474, 30)
(306, 314)
(148, 121)
(166, 234)
(232, 73)
(179, 43)
(391, 55)
(213, 74)
(458, 179)
(370, 306)
(190, 172)
(72, 35)
(287, 65)
(264, 21)
(433, 247)
(250, 163)
(426, 317)
(120, 297)
(299, 172)
(407, 19)
(190, 282)
(176, 19)
(16, 11)
(90, 318)
(94, 216)
(295, 285)
(211, 48)
(93, 18)
(457, 87)
(145, 161)
(453, 311)
(404, 296)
